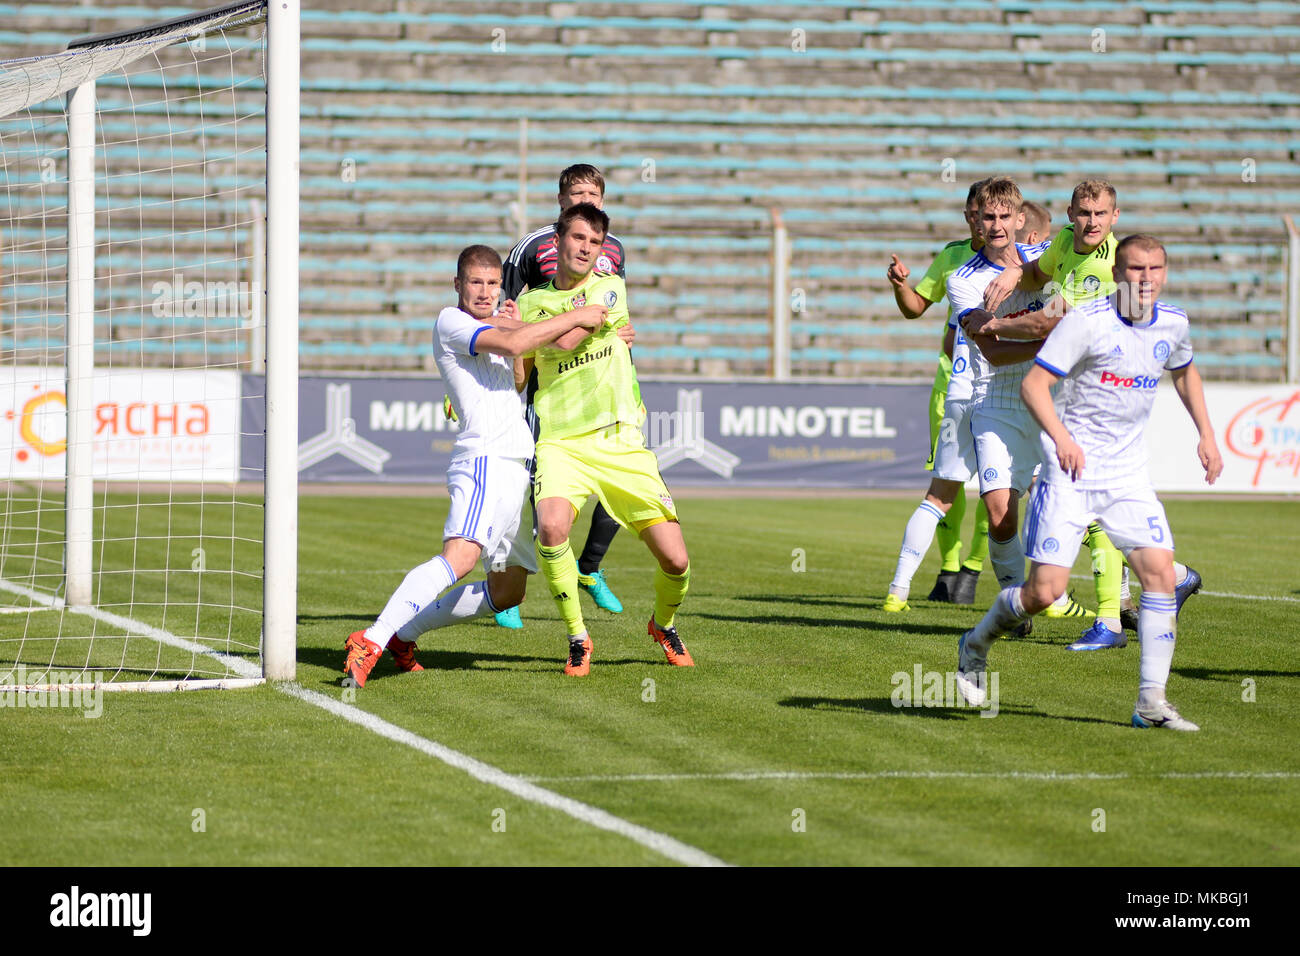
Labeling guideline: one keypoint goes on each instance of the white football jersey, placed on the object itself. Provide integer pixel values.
(482, 390)
(1112, 368)
(998, 387)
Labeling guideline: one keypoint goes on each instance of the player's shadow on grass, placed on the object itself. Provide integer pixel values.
(436, 659)
(885, 705)
(826, 600)
(792, 620)
(1233, 676)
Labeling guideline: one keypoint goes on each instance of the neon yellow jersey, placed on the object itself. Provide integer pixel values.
(595, 385)
(934, 286)
(1080, 276)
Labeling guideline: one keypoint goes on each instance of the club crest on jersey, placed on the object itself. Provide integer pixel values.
(610, 298)
(579, 300)
(1091, 283)
(1161, 351)
(604, 264)
(667, 500)
(1051, 546)
(990, 474)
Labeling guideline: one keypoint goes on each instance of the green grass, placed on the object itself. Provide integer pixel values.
(794, 674)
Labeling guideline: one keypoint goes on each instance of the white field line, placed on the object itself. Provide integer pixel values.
(660, 843)
(1048, 776)
(519, 786)
(1222, 594)
(237, 664)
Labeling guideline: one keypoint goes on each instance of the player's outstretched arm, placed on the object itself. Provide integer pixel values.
(1001, 352)
(1028, 277)
(910, 302)
(1036, 393)
(1187, 382)
(1031, 325)
(572, 339)
(516, 342)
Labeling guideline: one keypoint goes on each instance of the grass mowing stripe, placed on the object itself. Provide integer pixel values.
(1048, 776)
(661, 843)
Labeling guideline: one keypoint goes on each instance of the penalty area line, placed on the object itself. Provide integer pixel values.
(660, 843)
(521, 787)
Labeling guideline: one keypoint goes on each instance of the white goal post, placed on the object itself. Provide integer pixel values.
(158, 182)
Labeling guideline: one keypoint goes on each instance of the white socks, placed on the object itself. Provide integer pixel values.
(1008, 559)
(916, 541)
(1007, 611)
(467, 601)
(416, 592)
(1157, 630)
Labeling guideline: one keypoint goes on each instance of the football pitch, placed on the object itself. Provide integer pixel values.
(785, 745)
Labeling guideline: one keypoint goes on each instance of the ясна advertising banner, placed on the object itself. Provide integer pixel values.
(150, 425)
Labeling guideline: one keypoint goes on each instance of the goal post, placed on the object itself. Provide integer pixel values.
(280, 604)
(174, 137)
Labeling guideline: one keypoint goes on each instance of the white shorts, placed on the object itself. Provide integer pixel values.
(488, 497)
(1059, 514)
(954, 459)
(1006, 447)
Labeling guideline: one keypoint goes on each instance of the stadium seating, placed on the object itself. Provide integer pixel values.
(862, 124)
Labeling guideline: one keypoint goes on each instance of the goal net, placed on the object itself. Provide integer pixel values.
(137, 343)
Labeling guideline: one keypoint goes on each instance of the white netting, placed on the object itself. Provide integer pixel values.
(179, 180)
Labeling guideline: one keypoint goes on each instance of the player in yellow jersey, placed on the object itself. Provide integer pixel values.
(589, 407)
(1080, 266)
(957, 579)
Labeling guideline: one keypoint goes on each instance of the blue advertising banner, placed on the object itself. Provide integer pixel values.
(743, 434)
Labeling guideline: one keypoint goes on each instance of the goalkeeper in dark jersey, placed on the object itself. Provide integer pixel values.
(531, 264)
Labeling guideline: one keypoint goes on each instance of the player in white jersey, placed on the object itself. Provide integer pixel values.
(954, 454)
(488, 478)
(1111, 353)
(1004, 436)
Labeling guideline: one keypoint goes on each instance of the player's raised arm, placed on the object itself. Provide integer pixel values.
(910, 302)
(1036, 393)
(1187, 382)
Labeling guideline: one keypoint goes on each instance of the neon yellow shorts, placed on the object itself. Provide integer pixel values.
(611, 463)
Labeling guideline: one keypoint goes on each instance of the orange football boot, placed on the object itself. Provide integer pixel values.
(579, 662)
(673, 647)
(404, 654)
(362, 657)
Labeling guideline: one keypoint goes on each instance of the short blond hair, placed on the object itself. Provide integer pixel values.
(1094, 189)
(999, 191)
